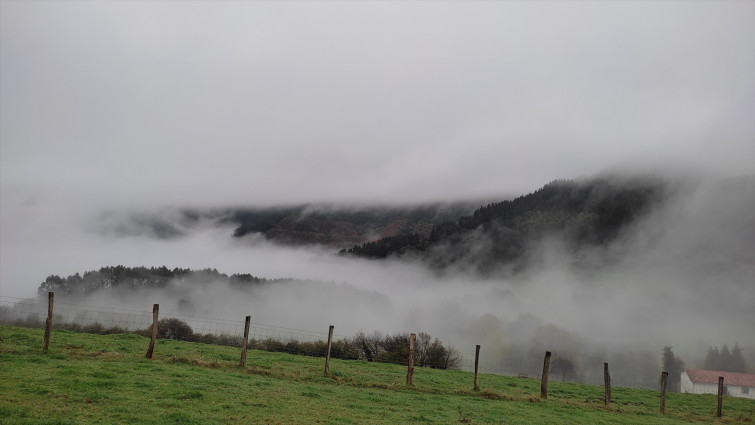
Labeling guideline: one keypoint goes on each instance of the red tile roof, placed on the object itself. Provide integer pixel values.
(730, 378)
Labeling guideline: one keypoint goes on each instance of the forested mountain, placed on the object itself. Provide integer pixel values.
(343, 227)
(585, 212)
(580, 213)
(335, 226)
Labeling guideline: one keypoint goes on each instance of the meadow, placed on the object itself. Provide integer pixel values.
(106, 379)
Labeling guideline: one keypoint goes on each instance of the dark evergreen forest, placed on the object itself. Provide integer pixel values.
(580, 213)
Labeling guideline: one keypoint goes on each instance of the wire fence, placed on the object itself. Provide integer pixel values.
(30, 312)
(375, 347)
(35, 313)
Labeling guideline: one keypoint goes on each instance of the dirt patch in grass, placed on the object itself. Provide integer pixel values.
(211, 364)
(493, 395)
(106, 354)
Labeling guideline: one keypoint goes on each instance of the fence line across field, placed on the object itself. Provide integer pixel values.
(32, 312)
(29, 312)
(98, 319)
(88, 318)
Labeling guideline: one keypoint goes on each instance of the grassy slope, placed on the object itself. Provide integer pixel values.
(106, 379)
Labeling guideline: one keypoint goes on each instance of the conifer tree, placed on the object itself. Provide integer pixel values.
(711, 359)
(724, 358)
(737, 363)
(674, 366)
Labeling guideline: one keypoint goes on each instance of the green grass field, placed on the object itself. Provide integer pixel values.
(105, 379)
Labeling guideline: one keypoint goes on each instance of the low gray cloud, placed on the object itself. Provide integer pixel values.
(681, 276)
(263, 102)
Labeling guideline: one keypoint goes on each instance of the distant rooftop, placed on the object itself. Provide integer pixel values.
(730, 378)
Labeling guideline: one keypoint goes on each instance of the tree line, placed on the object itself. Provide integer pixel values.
(121, 277)
(724, 360)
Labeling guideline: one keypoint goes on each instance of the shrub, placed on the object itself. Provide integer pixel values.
(172, 328)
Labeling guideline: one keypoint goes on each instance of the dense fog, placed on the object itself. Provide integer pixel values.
(682, 276)
(117, 116)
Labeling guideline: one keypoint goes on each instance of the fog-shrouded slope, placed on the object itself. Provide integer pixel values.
(588, 219)
(581, 213)
(342, 226)
(333, 226)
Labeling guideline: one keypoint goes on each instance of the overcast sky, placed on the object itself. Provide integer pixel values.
(118, 105)
(196, 103)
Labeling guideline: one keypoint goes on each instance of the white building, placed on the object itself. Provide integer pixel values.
(706, 382)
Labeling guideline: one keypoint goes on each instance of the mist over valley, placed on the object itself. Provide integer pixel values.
(527, 176)
(674, 267)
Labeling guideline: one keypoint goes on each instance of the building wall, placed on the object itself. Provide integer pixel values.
(736, 391)
(687, 386)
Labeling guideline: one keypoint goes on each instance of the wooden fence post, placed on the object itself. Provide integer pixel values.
(410, 367)
(546, 370)
(720, 395)
(476, 362)
(48, 322)
(246, 340)
(155, 310)
(664, 378)
(327, 354)
(607, 382)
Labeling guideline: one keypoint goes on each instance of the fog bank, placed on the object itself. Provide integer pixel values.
(683, 276)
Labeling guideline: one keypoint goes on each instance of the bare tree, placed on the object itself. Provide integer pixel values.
(369, 345)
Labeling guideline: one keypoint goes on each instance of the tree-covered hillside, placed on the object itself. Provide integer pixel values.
(342, 227)
(580, 213)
